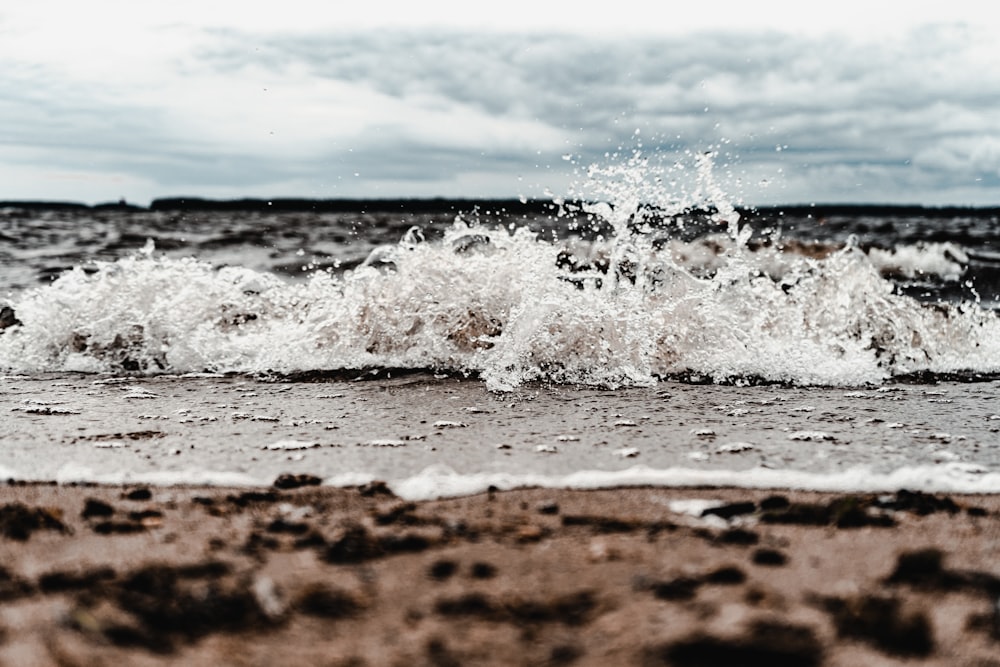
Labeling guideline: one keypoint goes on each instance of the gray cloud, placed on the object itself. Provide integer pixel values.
(890, 109)
(824, 119)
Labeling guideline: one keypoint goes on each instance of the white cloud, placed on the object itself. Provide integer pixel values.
(970, 155)
(858, 17)
(260, 103)
(30, 180)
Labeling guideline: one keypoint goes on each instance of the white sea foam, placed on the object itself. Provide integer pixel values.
(734, 447)
(385, 442)
(74, 473)
(626, 452)
(440, 482)
(944, 260)
(511, 316)
(286, 445)
(501, 303)
(814, 436)
(46, 410)
(444, 423)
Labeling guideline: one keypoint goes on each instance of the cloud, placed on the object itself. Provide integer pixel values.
(429, 112)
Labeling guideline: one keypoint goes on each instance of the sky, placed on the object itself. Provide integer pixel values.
(846, 102)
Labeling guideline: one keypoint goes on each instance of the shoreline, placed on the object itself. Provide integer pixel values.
(431, 437)
(415, 205)
(305, 574)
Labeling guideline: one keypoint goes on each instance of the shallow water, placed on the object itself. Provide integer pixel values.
(432, 435)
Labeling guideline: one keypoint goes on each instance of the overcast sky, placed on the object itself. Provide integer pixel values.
(834, 102)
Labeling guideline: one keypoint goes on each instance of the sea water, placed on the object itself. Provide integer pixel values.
(646, 286)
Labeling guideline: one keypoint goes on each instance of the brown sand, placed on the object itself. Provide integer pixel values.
(305, 575)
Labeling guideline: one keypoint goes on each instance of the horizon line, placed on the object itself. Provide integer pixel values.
(448, 204)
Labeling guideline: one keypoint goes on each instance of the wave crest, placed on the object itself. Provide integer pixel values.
(511, 307)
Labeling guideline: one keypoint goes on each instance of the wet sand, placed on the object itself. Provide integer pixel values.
(302, 574)
(281, 567)
(238, 430)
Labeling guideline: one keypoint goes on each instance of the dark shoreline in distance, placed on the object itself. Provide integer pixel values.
(443, 205)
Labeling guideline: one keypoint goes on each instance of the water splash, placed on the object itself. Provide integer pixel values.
(621, 309)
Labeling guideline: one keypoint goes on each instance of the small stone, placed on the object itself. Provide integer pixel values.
(291, 481)
(739, 536)
(530, 533)
(682, 588)
(138, 494)
(327, 602)
(481, 570)
(727, 575)
(93, 507)
(375, 488)
(442, 569)
(731, 510)
(769, 557)
(549, 507)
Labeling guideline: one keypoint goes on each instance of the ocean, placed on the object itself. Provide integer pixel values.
(449, 346)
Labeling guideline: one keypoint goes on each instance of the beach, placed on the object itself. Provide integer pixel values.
(297, 573)
(407, 518)
(281, 439)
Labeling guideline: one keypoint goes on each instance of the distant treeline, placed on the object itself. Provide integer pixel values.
(872, 210)
(509, 206)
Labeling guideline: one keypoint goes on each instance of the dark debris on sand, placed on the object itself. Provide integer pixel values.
(290, 481)
(924, 569)
(18, 521)
(142, 493)
(883, 623)
(96, 508)
(503, 578)
(849, 511)
(765, 643)
(574, 608)
(153, 607)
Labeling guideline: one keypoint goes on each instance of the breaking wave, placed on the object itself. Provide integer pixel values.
(512, 306)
